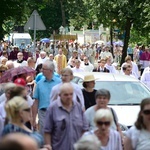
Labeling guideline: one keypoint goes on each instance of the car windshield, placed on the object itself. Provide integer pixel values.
(123, 92)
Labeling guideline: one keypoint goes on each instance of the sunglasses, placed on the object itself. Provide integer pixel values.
(27, 109)
(146, 112)
(106, 123)
(2, 71)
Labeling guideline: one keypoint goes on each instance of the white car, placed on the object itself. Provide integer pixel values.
(126, 93)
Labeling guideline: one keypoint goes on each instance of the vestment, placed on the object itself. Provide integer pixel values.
(77, 94)
(40, 61)
(11, 128)
(111, 68)
(145, 59)
(114, 142)
(77, 69)
(87, 67)
(61, 61)
(90, 113)
(20, 64)
(64, 127)
(139, 138)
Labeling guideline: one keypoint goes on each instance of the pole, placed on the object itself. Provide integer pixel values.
(111, 39)
(34, 33)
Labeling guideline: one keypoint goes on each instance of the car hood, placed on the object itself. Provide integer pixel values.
(127, 115)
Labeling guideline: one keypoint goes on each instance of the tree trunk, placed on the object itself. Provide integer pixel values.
(111, 40)
(126, 39)
(63, 14)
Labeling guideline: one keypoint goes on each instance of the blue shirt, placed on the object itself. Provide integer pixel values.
(40, 76)
(43, 90)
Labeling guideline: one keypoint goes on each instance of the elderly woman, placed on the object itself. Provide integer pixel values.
(102, 97)
(137, 137)
(110, 139)
(89, 142)
(18, 112)
(89, 91)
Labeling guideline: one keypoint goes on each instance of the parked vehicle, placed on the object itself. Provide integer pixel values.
(126, 93)
(20, 39)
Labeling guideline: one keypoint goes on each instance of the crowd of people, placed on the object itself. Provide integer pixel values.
(48, 110)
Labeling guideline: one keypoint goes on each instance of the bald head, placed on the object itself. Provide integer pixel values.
(66, 93)
(21, 141)
(10, 64)
(65, 87)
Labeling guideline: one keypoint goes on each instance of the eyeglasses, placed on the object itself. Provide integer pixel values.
(27, 109)
(106, 123)
(2, 71)
(64, 75)
(146, 112)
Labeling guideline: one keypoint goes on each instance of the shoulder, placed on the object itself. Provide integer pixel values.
(114, 133)
(90, 110)
(133, 131)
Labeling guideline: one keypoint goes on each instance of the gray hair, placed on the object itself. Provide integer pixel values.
(103, 113)
(50, 65)
(102, 92)
(9, 86)
(88, 142)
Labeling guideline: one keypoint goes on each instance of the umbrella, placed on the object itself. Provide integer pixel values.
(11, 73)
(100, 42)
(45, 40)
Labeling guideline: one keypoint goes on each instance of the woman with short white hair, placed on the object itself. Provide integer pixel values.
(89, 142)
(110, 139)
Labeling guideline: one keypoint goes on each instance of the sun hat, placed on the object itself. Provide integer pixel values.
(20, 81)
(89, 78)
(74, 51)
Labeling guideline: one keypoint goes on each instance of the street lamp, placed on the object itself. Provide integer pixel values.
(84, 29)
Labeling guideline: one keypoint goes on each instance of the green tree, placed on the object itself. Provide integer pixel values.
(127, 13)
(12, 12)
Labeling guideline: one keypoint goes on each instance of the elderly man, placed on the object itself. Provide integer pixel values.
(42, 58)
(65, 121)
(42, 92)
(67, 76)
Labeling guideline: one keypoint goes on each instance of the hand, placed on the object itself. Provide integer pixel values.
(48, 147)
